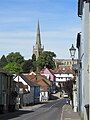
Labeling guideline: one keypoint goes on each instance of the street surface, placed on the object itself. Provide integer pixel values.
(49, 111)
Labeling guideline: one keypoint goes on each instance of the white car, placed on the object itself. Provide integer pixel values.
(65, 95)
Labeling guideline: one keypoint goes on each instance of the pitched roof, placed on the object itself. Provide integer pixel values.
(30, 77)
(43, 84)
(64, 70)
(39, 80)
(31, 83)
(50, 70)
(42, 77)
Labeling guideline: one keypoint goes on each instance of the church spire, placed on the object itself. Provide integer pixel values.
(38, 37)
(38, 49)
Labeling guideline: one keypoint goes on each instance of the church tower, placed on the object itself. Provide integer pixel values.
(38, 49)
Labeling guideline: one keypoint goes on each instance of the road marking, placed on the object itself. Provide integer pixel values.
(43, 111)
(67, 118)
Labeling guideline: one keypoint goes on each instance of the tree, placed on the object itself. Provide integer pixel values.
(14, 62)
(46, 59)
(27, 66)
(34, 63)
(13, 67)
(15, 57)
(33, 57)
(3, 61)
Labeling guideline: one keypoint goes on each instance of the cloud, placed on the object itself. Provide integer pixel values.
(62, 34)
(16, 35)
(22, 35)
(57, 19)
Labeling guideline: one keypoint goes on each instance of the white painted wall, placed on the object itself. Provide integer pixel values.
(44, 96)
(27, 97)
(19, 79)
(86, 58)
(63, 77)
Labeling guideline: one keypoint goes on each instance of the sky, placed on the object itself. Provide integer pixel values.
(59, 25)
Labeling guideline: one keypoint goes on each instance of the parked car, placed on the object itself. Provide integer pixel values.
(65, 95)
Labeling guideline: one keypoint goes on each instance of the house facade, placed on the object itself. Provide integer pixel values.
(48, 73)
(50, 76)
(29, 92)
(65, 62)
(44, 90)
(84, 59)
(43, 82)
(7, 93)
(63, 74)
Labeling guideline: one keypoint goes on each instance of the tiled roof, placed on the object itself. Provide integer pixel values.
(39, 80)
(42, 77)
(64, 70)
(31, 83)
(43, 84)
(30, 77)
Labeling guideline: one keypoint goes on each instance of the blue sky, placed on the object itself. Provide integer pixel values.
(59, 25)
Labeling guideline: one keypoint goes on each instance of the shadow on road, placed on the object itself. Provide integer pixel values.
(11, 115)
(52, 97)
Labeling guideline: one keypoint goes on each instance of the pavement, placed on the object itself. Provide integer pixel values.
(68, 113)
(27, 108)
(32, 107)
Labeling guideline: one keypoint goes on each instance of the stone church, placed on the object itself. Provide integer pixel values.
(38, 49)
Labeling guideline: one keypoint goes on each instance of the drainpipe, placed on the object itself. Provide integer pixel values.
(87, 110)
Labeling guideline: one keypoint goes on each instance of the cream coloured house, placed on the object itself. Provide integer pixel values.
(84, 58)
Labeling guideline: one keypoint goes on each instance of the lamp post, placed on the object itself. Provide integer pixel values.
(72, 52)
(74, 97)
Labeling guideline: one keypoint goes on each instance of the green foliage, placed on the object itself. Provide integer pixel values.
(12, 63)
(34, 63)
(15, 57)
(3, 61)
(46, 59)
(13, 67)
(15, 63)
(27, 66)
(33, 57)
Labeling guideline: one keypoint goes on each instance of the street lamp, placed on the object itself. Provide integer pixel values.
(74, 92)
(72, 51)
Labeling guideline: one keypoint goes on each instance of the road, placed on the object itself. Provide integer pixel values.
(49, 111)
